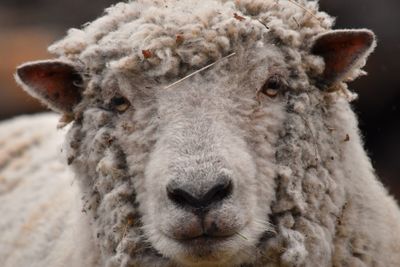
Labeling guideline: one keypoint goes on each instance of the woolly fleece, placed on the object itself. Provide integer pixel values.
(313, 188)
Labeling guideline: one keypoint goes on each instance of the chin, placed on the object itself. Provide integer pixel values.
(206, 251)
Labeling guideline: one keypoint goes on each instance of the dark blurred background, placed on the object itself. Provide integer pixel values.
(27, 27)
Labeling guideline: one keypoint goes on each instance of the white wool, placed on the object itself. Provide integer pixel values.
(305, 193)
(185, 35)
(42, 220)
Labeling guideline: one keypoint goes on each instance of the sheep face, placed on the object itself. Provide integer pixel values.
(187, 169)
(189, 173)
(188, 156)
(204, 189)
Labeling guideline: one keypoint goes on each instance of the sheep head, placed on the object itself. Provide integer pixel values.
(191, 172)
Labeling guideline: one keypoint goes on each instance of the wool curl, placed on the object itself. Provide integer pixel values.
(170, 39)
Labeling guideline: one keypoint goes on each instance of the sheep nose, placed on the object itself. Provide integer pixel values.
(185, 198)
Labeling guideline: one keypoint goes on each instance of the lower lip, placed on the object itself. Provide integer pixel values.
(203, 244)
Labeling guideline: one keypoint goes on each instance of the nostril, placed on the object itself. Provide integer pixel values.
(181, 197)
(219, 192)
(184, 197)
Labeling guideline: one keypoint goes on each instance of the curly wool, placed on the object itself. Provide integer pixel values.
(159, 38)
(313, 198)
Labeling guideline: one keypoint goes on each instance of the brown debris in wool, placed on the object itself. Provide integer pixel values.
(179, 39)
(130, 221)
(347, 138)
(238, 17)
(70, 160)
(147, 53)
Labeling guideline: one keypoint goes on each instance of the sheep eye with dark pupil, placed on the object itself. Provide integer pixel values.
(273, 83)
(272, 86)
(120, 104)
(116, 101)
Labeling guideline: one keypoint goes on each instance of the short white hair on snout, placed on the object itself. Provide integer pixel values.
(199, 133)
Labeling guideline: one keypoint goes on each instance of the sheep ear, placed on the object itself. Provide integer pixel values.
(55, 83)
(342, 50)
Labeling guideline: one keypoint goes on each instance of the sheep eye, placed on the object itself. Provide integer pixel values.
(272, 86)
(119, 103)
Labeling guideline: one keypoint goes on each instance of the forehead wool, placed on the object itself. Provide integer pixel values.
(172, 38)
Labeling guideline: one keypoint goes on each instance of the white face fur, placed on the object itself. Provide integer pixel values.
(191, 155)
(208, 139)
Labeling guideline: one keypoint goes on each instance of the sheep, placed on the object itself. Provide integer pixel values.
(197, 133)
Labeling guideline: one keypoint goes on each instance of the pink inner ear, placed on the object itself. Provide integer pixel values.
(55, 83)
(341, 50)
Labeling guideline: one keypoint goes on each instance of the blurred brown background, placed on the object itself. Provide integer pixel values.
(27, 27)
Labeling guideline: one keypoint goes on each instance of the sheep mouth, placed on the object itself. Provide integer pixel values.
(201, 238)
(213, 237)
(204, 239)
(204, 248)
